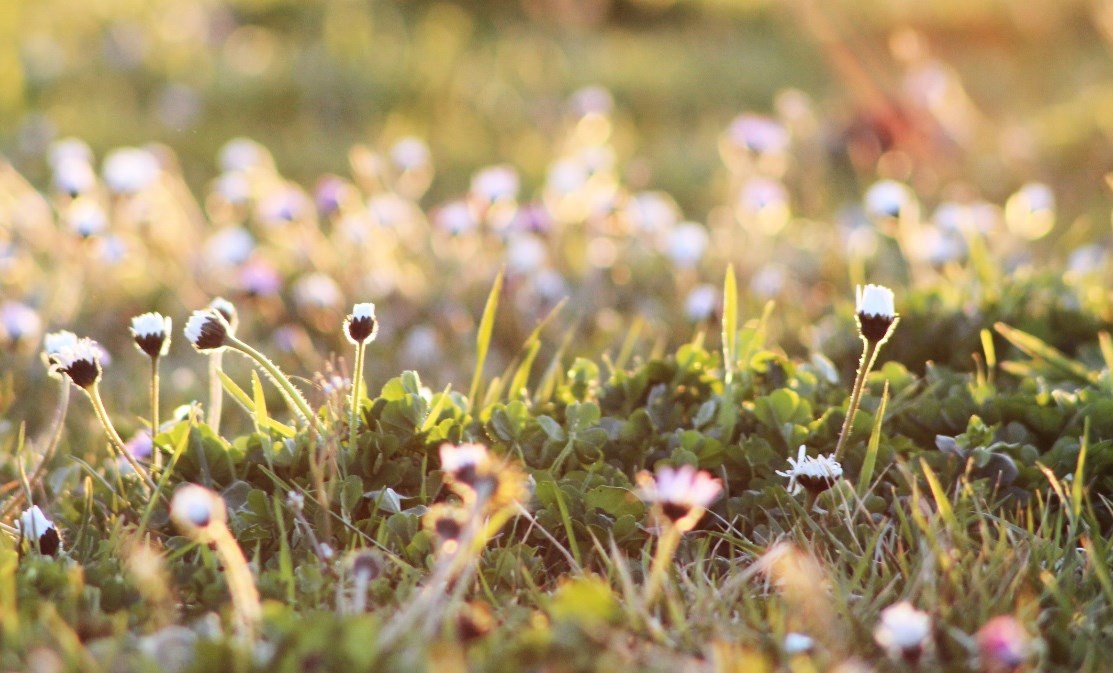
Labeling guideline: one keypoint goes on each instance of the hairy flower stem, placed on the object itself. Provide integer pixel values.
(666, 549)
(869, 355)
(216, 390)
(156, 457)
(357, 379)
(245, 596)
(293, 397)
(114, 440)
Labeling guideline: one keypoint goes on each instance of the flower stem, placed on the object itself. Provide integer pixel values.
(245, 596)
(666, 548)
(357, 379)
(216, 390)
(114, 440)
(156, 457)
(869, 354)
(293, 397)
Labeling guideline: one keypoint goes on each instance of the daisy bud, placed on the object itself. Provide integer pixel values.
(79, 361)
(682, 494)
(360, 326)
(874, 308)
(816, 475)
(903, 631)
(207, 330)
(468, 465)
(151, 332)
(36, 528)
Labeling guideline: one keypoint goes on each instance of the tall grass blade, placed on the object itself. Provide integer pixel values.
(483, 338)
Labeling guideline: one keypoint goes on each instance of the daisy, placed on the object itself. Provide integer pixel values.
(207, 330)
(151, 332)
(814, 474)
(875, 312)
(360, 326)
(681, 495)
(40, 531)
(903, 631)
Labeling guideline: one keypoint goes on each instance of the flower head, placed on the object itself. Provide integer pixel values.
(447, 523)
(207, 330)
(466, 464)
(151, 332)
(1004, 644)
(681, 495)
(194, 508)
(360, 326)
(814, 474)
(903, 631)
(39, 531)
(875, 312)
(79, 361)
(20, 325)
(474, 476)
(227, 310)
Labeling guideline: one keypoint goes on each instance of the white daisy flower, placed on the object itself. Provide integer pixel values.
(79, 361)
(207, 330)
(130, 169)
(465, 462)
(888, 198)
(903, 630)
(196, 507)
(33, 525)
(151, 332)
(360, 326)
(875, 311)
(686, 244)
(814, 474)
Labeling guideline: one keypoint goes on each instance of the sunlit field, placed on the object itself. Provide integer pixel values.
(556, 336)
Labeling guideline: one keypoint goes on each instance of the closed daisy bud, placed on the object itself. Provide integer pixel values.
(903, 631)
(151, 332)
(207, 330)
(1004, 644)
(814, 474)
(39, 531)
(875, 312)
(681, 495)
(360, 326)
(80, 362)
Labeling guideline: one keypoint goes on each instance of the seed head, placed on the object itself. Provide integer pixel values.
(360, 326)
(151, 332)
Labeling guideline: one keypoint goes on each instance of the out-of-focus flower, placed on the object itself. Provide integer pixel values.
(235, 187)
(410, 153)
(591, 100)
(681, 494)
(139, 445)
(74, 176)
(283, 204)
(701, 302)
(758, 134)
(769, 280)
(259, 278)
(244, 154)
(686, 244)
(230, 246)
(447, 523)
(130, 169)
(194, 508)
(814, 474)
(1030, 212)
(331, 193)
(651, 212)
(888, 198)
(525, 253)
(54, 342)
(86, 217)
(151, 332)
(39, 531)
(1004, 644)
(797, 643)
(493, 184)
(68, 149)
(317, 290)
(454, 217)
(20, 325)
(764, 201)
(903, 631)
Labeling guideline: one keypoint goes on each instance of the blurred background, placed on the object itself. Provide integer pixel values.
(297, 157)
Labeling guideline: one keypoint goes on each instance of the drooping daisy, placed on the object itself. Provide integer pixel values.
(39, 531)
(79, 361)
(903, 631)
(814, 474)
(207, 330)
(151, 332)
(681, 495)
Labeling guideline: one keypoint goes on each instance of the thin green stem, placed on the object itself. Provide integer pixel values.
(666, 548)
(869, 354)
(241, 584)
(114, 439)
(357, 379)
(216, 390)
(297, 402)
(156, 457)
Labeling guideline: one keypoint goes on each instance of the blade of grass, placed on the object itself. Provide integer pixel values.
(730, 323)
(869, 463)
(247, 403)
(1038, 349)
(483, 338)
(1076, 491)
(940, 495)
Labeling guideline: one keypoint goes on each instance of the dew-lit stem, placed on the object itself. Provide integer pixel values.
(357, 379)
(156, 457)
(662, 559)
(295, 399)
(114, 439)
(216, 390)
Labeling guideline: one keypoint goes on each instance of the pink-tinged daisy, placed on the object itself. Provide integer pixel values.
(680, 495)
(1004, 644)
